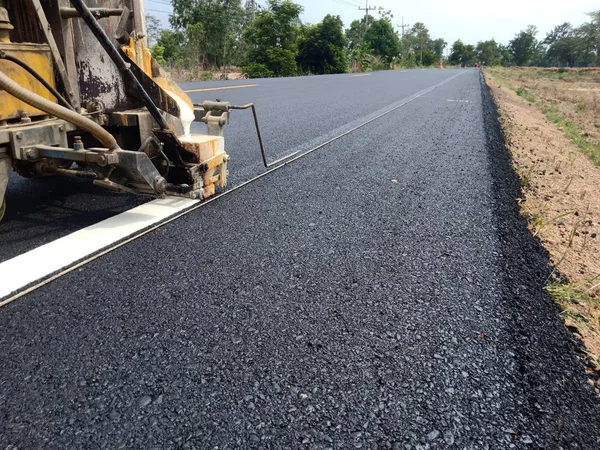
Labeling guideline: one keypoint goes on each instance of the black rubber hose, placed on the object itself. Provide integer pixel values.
(109, 47)
(38, 77)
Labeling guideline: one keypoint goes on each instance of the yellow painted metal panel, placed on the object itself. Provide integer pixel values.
(38, 57)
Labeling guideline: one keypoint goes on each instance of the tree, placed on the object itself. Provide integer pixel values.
(355, 35)
(438, 48)
(153, 29)
(524, 47)
(272, 40)
(561, 46)
(462, 54)
(171, 46)
(488, 53)
(507, 59)
(322, 48)
(421, 43)
(382, 40)
(590, 34)
(221, 20)
(426, 51)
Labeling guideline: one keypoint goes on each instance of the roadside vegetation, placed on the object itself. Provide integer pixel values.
(551, 119)
(221, 39)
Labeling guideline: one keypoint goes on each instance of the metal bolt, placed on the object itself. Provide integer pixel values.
(61, 128)
(31, 153)
(19, 135)
(77, 143)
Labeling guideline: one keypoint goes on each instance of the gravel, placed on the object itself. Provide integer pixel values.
(410, 315)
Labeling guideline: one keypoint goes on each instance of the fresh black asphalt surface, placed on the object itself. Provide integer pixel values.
(381, 292)
(295, 114)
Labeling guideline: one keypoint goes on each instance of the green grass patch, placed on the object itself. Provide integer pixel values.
(568, 296)
(574, 133)
(522, 92)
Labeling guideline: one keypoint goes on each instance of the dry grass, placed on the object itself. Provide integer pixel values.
(181, 75)
(550, 118)
(569, 97)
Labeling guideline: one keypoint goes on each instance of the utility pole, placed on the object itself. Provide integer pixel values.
(403, 26)
(252, 5)
(366, 9)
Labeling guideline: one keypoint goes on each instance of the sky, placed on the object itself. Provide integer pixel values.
(468, 20)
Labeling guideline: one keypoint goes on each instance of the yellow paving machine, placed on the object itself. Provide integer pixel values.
(81, 96)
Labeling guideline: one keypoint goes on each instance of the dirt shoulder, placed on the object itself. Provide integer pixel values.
(560, 189)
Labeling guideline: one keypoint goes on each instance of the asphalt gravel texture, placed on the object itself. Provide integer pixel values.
(380, 292)
(294, 113)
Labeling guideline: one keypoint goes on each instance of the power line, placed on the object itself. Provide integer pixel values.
(342, 2)
(159, 10)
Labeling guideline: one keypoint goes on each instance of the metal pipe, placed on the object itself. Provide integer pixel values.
(39, 102)
(260, 139)
(38, 77)
(99, 13)
(76, 173)
(114, 54)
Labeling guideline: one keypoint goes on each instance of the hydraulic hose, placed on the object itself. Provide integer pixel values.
(38, 77)
(39, 102)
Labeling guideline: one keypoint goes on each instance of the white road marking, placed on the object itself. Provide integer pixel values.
(222, 88)
(44, 261)
(459, 101)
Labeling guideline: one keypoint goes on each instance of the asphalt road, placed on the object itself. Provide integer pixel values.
(381, 292)
(295, 114)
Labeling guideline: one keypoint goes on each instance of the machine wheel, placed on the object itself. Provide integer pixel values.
(2, 209)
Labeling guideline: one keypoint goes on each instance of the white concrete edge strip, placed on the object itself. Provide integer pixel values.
(44, 261)
(172, 208)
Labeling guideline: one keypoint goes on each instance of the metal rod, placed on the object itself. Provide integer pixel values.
(76, 173)
(260, 139)
(123, 67)
(99, 13)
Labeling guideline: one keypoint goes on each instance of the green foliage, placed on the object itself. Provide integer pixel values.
(221, 22)
(158, 53)
(172, 44)
(522, 92)
(574, 133)
(462, 54)
(525, 49)
(409, 61)
(255, 70)
(382, 39)
(355, 35)
(322, 47)
(272, 38)
(213, 33)
(489, 53)
(425, 51)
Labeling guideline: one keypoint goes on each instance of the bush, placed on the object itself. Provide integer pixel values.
(377, 63)
(256, 70)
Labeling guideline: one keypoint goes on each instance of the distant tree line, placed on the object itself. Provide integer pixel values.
(272, 42)
(564, 46)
